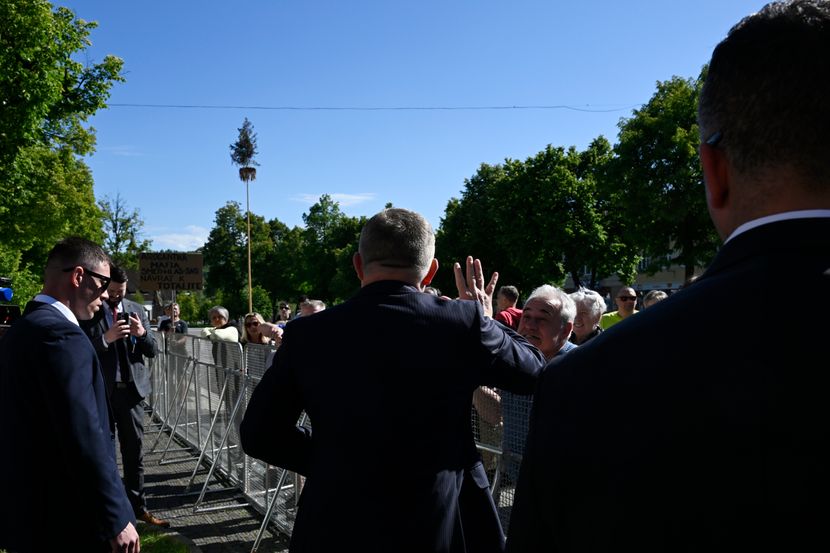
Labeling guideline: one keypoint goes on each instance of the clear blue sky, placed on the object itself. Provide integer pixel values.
(601, 58)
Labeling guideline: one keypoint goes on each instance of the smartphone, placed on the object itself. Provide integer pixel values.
(124, 317)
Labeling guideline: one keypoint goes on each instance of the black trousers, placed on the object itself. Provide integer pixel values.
(129, 425)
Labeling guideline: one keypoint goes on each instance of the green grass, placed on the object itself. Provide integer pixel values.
(153, 540)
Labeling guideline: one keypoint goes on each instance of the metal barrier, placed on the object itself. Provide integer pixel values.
(200, 391)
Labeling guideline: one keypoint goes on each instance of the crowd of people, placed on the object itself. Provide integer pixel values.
(714, 440)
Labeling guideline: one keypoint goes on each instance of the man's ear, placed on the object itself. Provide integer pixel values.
(433, 268)
(76, 277)
(568, 329)
(715, 176)
(357, 261)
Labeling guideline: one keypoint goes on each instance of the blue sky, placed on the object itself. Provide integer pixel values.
(598, 58)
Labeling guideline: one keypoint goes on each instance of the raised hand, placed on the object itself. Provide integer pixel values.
(470, 284)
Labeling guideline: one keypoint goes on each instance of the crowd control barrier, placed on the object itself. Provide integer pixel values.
(200, 391)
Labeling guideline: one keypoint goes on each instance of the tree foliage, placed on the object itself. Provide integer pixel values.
(123, 240)
(534, 221)
(46, 98)
(315, 260)
(244, 150)
(657, 180)
(330, 237)
(225, 254)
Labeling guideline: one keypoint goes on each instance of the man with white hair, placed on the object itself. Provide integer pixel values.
(547, 323)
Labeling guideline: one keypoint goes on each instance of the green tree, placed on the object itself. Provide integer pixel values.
(472, 225)
(601, 251)
(123, 240)
(283, 273)
(328, 232)
(534, 221)
(46, 98)
(225, 253)
(46, 95)
(190, 307)
(225, 257)
(42, 181)
(658, 184)
(261, 301)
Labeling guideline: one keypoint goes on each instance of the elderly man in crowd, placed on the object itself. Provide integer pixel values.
(547, 322)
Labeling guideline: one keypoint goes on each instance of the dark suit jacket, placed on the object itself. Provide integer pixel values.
(699, 424)
(58, 473)
(145, 346)
(387, 381)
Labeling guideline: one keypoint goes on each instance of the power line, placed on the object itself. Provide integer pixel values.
(376, 108)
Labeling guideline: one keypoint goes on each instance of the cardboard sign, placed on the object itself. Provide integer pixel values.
(170, 271)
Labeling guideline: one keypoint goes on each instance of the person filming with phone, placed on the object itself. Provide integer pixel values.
(120, 334)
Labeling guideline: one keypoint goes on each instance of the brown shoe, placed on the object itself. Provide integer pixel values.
(149, 518)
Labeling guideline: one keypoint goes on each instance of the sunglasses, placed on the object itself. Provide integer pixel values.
(105, 280)
(252, 323)
(627, 298)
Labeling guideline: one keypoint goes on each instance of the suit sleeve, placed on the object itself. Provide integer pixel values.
(69, 381)
(515, 364)
(269, 430)
(147, 343)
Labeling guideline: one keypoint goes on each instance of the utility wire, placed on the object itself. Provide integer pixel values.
(375, 108)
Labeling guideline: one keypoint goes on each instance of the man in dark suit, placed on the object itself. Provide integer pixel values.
(121, 337)
(389, 398)
(58, 472)
(714, 437)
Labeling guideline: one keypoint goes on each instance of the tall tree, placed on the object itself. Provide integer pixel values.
(472, 225)
(123, 240)
(46, 98)
(243, 152)
(658, 184)
(327, 232)
(224, 253)
(535, 221)
(282, 274)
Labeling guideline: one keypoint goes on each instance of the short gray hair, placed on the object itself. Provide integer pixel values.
(558, 298)
(592, 300)
(399, 239)
(219, 310)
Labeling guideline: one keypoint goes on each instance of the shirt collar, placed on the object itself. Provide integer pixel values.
(803, 214)
(65, 311)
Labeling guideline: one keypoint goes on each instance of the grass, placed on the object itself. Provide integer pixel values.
(153, 540)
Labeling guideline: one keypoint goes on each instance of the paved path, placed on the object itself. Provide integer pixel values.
(227, 531)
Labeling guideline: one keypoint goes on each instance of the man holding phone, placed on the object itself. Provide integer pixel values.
(120, 334)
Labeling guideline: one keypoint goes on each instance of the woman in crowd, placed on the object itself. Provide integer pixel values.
(252, 330)
(589, 309)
